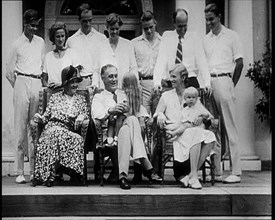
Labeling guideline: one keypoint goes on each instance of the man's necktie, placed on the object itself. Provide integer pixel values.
(115, 97)
(179, 52)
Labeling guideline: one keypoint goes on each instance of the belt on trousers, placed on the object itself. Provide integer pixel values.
(29, 75)
(88, 76)
(220, 75)
(145, 77)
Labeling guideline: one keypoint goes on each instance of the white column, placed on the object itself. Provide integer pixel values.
(240, 20)
(11, 30)
(261, 34)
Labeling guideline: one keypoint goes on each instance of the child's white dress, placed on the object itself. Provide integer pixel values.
(206, 136)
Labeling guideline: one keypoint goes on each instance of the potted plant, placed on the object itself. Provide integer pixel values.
(260, 73)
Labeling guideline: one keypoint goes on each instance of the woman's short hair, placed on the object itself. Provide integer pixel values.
(191, 91)
(112, 19)
(212, 8)
(147, 16)
(180, 68)
(57, 26)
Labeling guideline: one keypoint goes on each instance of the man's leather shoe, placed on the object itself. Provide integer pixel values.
(124, 184)
(153, 177)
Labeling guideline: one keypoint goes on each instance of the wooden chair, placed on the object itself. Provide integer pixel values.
(36, 128)
(167, 146)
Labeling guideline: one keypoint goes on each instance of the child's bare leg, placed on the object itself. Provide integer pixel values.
(118, 125)
(111, 130)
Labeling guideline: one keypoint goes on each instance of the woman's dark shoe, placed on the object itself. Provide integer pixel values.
(50, 181)
(76, 177)
(59, 177)
(35, 182)
(124, 184)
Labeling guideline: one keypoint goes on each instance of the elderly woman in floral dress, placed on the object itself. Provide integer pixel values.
(59, 146)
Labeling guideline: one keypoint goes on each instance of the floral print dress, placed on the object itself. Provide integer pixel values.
(58, 141)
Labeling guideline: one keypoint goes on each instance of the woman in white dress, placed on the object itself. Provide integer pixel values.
(58, 58)
(188, 143)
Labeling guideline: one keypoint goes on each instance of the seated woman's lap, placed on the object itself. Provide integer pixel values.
(59, 144)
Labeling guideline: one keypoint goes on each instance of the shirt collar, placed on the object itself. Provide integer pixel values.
(110, 93)
(143, 37)
(27, 39)
(79, 32)
(185, 35)
(223, 30)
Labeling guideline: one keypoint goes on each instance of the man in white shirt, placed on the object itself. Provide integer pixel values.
(88, 43)
(104, 105)
(192, 54)
(130, 142)
(146, 48)
(224, 55)
(24, 68)
(120, 51)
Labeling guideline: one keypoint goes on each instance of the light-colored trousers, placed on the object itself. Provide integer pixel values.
(147, 90)
(130, 143)
(224, 106)
(25, 101)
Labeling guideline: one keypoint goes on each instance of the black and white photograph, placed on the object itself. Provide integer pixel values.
(136, 109)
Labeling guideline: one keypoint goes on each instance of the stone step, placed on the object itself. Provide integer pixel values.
(169, 203)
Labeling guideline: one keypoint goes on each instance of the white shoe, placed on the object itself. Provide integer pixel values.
(216, 178)
(232, 179)
(195, 184)
(20, 179)
(184, 181)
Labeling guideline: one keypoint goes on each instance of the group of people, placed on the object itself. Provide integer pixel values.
(151, 76)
